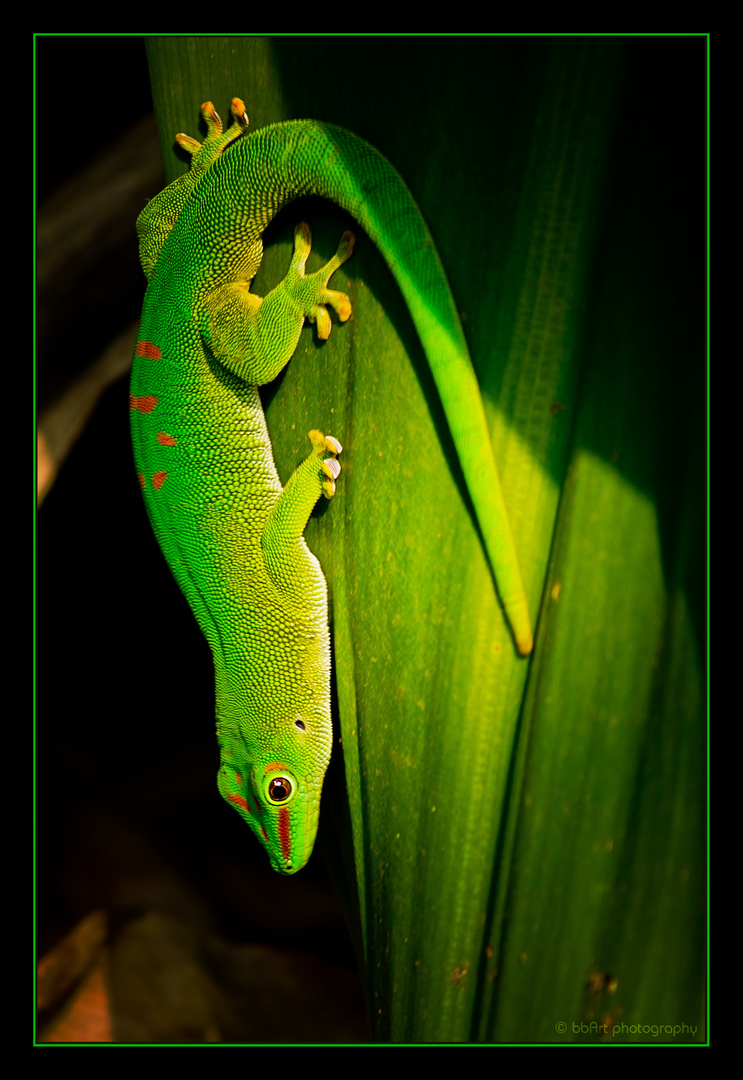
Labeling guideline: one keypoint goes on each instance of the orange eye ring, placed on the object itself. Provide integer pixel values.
(280, 786)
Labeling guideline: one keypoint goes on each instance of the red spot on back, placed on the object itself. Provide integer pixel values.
(144, 404)
(166, 440)
(148, 350)
(159, 479)
(140, 476)
(284, 833)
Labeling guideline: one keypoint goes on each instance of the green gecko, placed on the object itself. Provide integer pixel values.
(231, 536)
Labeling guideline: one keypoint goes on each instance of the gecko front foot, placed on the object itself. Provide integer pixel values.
(322, 445)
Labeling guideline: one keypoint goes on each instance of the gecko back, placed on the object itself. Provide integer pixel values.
(232, 537)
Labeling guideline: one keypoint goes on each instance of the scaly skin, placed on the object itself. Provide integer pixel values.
(232, 538)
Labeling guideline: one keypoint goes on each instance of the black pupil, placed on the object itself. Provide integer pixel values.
(279, 789)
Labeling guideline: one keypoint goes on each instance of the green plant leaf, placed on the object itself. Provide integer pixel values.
(524, 839)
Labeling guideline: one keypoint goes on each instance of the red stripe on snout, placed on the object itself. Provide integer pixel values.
(284, 833)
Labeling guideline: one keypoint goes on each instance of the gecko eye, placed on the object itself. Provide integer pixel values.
(279, 785)
(279, 789)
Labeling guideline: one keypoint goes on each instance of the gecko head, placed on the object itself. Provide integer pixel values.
(277, 791)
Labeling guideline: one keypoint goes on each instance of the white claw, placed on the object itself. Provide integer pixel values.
(331, 468)
(336, 446)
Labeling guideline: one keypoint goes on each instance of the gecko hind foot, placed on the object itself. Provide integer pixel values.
(217, 139)
(311, 290)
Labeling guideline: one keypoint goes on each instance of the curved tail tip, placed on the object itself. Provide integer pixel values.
(521, 628)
